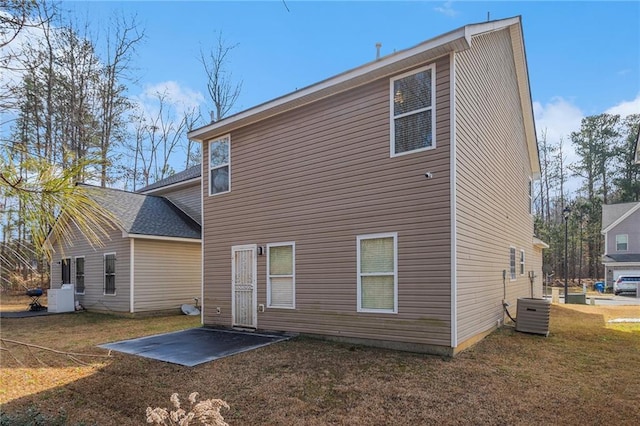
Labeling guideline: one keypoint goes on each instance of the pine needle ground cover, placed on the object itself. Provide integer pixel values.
(585, 372)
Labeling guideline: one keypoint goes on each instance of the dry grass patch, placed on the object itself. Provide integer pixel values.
(583, 372)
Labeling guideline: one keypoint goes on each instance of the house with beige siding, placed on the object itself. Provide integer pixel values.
(389, 205)
(152, 259)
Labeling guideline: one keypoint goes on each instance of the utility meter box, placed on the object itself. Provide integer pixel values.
(533, 316)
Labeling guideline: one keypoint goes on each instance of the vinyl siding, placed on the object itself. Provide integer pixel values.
(187, 198)
(320, 176)
(631, 227)
(167, 274)
(493, 169)
(94, 297)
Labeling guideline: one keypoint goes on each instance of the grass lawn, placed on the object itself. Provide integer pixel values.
(586, 372)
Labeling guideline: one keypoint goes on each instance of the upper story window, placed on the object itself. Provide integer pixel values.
(622, 242)
(219, 165)
(413, 111)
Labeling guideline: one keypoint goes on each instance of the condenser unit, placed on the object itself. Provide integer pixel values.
(533, 316)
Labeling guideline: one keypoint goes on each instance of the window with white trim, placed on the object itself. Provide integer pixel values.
(66, 270)
(413, 111)
(281, 282)
(512, 263)
(79, 275)
(377, 263)
(521, 262)
(110, 273)
(220, 165)
(622, 242)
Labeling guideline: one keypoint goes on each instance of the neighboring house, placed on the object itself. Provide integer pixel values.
(152, 260)
(389, 205)
(621, 230)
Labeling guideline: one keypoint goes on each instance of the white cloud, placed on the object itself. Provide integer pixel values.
(558, 119)
(182, 98)
(447, 9)
(625, 108)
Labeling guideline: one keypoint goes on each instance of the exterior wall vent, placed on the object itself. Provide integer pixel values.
(533, 316)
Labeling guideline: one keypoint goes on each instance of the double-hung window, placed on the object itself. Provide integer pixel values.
(512, 263)
(622, 242)
(220, 165)
(80, 275)
(281, 283)
(110, 273)
(66, 270)
(522, 262)
(413, 111)
(377, 263)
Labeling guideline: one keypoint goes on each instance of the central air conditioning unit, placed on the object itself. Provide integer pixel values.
(533, 316)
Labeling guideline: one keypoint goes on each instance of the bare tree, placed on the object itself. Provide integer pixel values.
(121, 45)
(158, 137)
(222, 91)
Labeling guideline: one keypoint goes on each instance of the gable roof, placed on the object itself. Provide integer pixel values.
(453, 41)
(145, 215)
(184, 176)
(613, 214)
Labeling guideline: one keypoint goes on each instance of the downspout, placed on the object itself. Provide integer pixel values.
(452, 183)
(202, 188)
(131, 276)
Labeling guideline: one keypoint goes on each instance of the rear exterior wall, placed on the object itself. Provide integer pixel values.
(492, 199)
(167, 274)
(94, 297)
(320, 176)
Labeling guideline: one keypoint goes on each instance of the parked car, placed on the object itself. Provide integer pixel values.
(626, 283)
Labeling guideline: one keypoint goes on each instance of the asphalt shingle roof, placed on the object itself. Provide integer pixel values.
(145, 214)
(627, 257)
(612, 212)
(188, 174)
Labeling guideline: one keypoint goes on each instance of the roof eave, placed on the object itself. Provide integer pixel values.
(161, 237)
(171, 186)
(444, 44)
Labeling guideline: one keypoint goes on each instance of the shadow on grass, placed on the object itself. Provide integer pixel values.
(508, 378)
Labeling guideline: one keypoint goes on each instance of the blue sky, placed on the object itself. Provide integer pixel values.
(583, 56)
(586, 53)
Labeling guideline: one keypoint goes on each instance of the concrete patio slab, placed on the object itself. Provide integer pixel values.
(195, 346)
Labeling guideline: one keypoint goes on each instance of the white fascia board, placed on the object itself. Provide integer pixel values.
(161, 238)
(537, 242)
(459, 40)
(172, 186)
(620, 219)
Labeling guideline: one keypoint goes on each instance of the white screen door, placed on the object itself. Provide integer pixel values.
(243, 276)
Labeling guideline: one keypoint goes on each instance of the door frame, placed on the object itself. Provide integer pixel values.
(254, 265)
